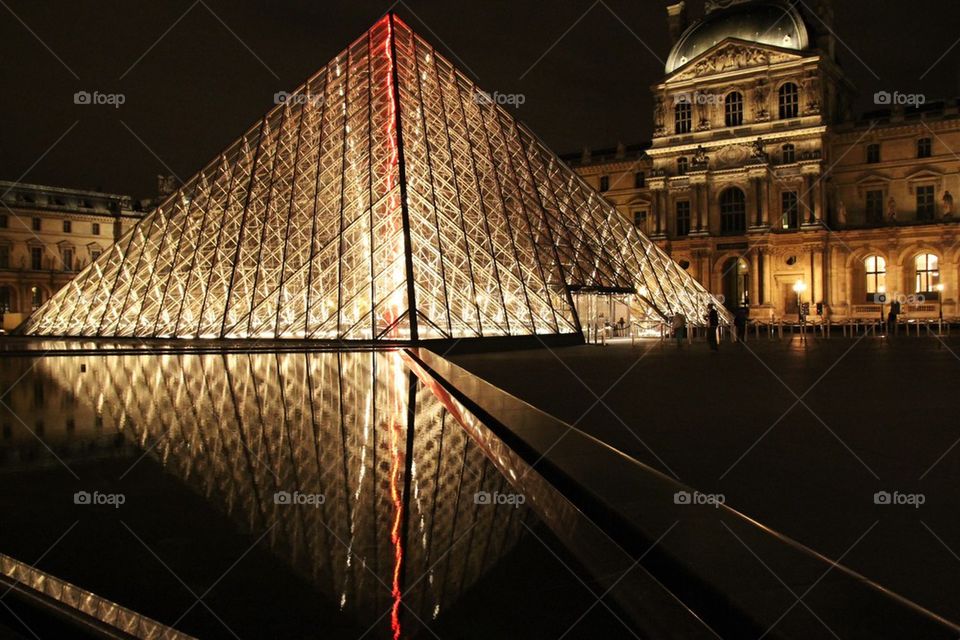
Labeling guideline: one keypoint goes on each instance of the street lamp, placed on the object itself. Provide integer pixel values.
(799, 287)
(882, 297)
(940, 298)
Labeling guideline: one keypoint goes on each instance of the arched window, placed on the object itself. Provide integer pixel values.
(789, 153)
(733, 212)
(733, 109)
(683, 117)
(876, 268)
(682, 165)
(789, 98)
(928, 272)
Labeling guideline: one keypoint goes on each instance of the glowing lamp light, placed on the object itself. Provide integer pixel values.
(799, 287)
(940, 288)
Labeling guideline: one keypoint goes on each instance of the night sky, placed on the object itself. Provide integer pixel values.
(196, 75)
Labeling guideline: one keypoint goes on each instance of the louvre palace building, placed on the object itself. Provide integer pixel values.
(766, 187)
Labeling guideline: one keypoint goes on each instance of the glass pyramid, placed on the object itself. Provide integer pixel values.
(388, 198)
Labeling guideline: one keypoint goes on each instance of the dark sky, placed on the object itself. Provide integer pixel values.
(197, 87)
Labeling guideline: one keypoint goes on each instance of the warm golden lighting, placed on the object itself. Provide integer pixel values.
(366, 192)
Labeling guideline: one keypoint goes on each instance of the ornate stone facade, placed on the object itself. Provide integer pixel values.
(47, 235)
(759, 176)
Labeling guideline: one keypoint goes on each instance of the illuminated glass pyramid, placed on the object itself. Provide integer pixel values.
(386, 199)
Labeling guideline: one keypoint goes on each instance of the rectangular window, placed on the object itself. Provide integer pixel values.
(94, 255)
(67, 259)
(874, 207)
(639, 180)
(67, 226)
(683, 117)
(5, 298)
(640, 220)
(4, 221)
(604, 183)
(924, 147)
(95, 228)
(873, 153)
(790, 209)
(683, 218)
(35, 224)
(36, 258)
(4, 257)
(926, 208)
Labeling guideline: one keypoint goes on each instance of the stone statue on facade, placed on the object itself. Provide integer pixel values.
(892, 210)
(758, 149)
(947, 204)
(760, 93)
(841, 213)
(700, 157)
(658, 113)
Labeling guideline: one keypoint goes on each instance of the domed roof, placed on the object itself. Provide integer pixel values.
(765, 22)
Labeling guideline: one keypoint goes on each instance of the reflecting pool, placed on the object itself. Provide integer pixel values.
(276, 494)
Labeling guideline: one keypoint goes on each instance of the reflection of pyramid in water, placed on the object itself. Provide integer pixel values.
(385, 183)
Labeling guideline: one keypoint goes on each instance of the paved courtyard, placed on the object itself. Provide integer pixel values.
(798, 435)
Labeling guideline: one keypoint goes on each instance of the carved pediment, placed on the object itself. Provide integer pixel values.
(730, 55)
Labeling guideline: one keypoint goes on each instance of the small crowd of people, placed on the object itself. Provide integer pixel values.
(712, 318)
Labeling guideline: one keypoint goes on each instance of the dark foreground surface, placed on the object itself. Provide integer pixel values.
(800, 436)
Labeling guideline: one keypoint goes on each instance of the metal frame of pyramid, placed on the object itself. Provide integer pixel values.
(388, 182)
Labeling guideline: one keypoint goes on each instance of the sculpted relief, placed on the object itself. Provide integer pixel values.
(730, 57)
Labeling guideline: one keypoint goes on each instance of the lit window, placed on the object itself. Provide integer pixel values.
(683, 117)
(683, 218)
(682, 165)
(873, 153)
(733, 212)
(789, 154)
(604, 183)
(790, 206)
(928, 272)
(926, 207)
(789, 97)
(876, 268)
(874, 207)
(733, 109)
(924, 147)
(67, 226)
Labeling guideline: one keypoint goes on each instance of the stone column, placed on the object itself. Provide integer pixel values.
(755, 296)
(758, 197)
(767, 281)
(808, 189)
